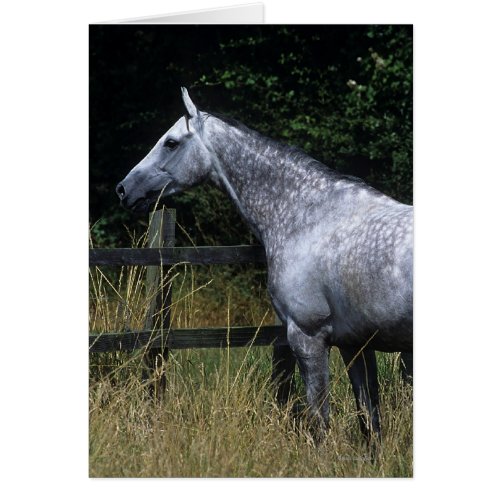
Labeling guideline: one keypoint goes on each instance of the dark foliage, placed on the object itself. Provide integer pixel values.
(341, 93)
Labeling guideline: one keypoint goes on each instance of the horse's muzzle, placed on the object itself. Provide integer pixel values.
(139, 205)
(120, 191)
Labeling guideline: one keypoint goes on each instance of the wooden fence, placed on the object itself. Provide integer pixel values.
(157, 342)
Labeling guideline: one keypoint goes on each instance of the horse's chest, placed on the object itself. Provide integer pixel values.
(298, 291)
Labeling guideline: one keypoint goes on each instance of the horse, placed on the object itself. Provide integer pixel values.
(339, 252)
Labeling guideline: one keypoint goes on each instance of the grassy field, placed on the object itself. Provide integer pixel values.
(218, 416)
(218, 419)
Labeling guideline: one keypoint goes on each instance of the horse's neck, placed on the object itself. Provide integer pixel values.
(264, 183)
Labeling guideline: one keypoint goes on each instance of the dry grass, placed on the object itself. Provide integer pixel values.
(221, 421)
(218, 416)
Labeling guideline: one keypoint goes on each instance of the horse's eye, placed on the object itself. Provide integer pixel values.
(170, 144)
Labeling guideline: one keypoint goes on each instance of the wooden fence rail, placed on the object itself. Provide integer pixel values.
(188, 338)
(163, 253)
(242, 254)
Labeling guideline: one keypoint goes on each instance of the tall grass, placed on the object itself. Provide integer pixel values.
(218, 416)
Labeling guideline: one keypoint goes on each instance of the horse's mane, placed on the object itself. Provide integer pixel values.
(295, 152)
(232, 122)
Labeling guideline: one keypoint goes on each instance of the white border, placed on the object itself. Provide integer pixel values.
(237, 14)
(44, 208)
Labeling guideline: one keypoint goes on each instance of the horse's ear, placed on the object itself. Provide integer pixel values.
(188, 103)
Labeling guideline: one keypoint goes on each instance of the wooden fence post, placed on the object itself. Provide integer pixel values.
(283, 370)
(161, 234)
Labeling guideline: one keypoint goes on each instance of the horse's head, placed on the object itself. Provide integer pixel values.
(178, 160)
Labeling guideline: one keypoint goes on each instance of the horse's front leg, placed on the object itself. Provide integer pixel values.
(362, 370)
(312, 357)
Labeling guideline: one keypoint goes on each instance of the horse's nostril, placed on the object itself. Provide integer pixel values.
(120, 191)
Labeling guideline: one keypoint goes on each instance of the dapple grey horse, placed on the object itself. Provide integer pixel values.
(339, 253)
